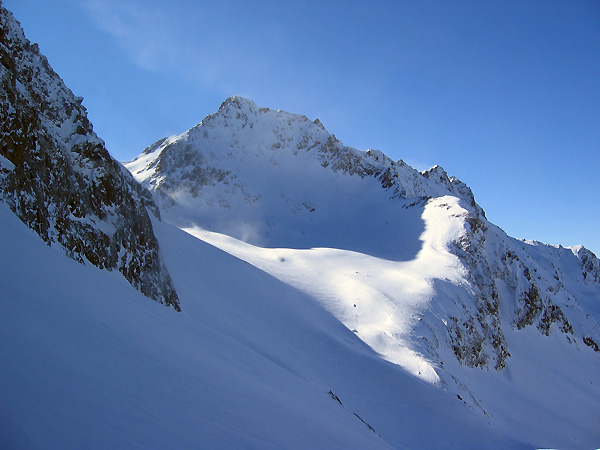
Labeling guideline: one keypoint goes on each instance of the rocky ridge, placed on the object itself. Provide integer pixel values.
(58, 178)
(513, 285)
(193, 161)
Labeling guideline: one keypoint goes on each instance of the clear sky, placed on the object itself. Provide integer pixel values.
(505, 95)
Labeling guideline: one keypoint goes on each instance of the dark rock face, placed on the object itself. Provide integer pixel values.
(58, 178)
(590, 265)
(529, 280)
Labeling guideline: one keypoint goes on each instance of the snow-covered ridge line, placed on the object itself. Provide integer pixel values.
(268, 176)
(300, 134)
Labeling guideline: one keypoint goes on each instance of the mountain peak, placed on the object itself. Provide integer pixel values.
(265, 168)
(453, 184)
(238, 102)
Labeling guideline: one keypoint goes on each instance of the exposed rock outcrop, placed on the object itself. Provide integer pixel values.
(58, 178)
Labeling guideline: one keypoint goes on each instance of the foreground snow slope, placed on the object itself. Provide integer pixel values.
(249, 363)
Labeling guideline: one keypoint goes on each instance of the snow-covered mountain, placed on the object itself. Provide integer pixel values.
(380, 308)
(58, 177)
(405, 260)
(276, 179)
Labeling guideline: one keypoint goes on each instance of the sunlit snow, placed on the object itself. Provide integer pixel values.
(378, 299)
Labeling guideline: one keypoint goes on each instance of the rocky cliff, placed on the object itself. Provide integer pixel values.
(58, 178)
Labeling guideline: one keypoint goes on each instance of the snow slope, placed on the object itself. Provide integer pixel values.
(88, 362)
(378, 299)
(549, 393)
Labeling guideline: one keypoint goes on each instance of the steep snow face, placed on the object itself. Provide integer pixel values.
(56, 175)
(405, 260)
(277, 179)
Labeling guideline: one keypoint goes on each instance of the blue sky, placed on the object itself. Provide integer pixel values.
(505, 95)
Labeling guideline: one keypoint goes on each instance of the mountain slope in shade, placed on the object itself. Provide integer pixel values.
(58, 178)
(405, 260)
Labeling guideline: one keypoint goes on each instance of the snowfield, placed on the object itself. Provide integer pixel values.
(250, 362)
(387, 303)
(378, 299)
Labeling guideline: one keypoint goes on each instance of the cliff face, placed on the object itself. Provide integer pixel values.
(58, 178)
(514, 286)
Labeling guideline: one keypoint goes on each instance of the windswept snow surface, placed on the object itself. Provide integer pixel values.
(87, 362)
